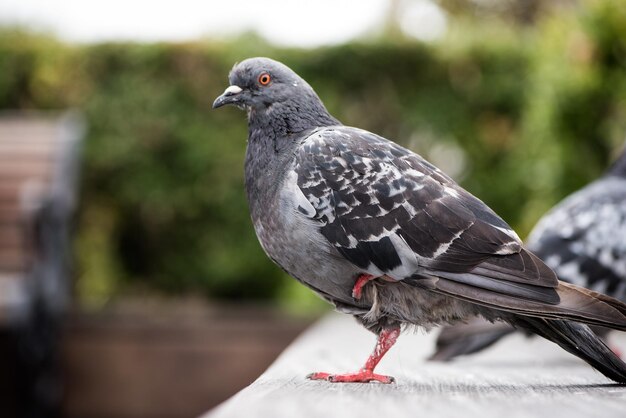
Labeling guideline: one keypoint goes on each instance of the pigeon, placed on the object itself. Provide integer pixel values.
(387, 237)
(583, 239)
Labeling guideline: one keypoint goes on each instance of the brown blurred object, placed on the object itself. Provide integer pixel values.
(38, 170)
(163, 358)
(169, 359)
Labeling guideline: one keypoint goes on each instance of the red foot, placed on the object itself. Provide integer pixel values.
(362, 376)
(357, 290)
(386, 339)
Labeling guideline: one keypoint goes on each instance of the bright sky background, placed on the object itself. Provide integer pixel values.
(284, 22)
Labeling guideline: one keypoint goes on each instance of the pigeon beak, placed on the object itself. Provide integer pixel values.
(229, 96)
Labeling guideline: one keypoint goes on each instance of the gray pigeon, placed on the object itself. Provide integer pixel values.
(583, 239)
(386, 236)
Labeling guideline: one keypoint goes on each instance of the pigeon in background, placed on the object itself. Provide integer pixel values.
(583, 239)
(387, 237)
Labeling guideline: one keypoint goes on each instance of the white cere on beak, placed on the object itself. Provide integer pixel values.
(232, 90)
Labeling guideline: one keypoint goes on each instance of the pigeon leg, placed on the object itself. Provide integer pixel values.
(357, 290)
(386, 339)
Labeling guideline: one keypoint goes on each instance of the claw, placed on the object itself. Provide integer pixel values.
(386, 339)
(363, 376)
(318, 376)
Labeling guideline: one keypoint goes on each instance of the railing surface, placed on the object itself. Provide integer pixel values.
(518, 377)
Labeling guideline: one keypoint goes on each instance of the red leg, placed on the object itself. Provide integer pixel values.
(386, 339)
(357, 290)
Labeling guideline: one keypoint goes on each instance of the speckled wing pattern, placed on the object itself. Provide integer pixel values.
(584, 237)
(390, 212)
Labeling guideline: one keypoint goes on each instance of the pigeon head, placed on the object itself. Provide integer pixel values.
(274, 94)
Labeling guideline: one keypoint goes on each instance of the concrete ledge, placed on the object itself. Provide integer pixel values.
(519, 377)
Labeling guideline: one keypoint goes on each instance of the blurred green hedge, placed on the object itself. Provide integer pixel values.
(520, 116)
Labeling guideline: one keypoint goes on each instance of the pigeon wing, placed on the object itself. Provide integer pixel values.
(390, 212)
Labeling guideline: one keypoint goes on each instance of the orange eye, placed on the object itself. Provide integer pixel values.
(264, 79)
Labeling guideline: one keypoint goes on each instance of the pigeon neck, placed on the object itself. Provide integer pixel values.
(618, 168)
(267, 158)
(282, 119)
(274, 132)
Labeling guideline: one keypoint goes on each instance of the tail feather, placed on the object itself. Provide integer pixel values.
(614, 303)
(579, 340)
(468, 338)
(591, 307)
(576, 303)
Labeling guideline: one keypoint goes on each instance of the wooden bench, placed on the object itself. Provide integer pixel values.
(38, 164)
(518, 377)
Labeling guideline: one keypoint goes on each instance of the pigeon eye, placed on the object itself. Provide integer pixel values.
(264, 79)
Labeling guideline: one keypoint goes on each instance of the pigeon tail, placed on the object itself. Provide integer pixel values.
(591, 307)
(572, 302)
(468, 338)
(579, 340)
(575, 304)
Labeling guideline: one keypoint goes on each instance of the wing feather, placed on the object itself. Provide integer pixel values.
(390, 212)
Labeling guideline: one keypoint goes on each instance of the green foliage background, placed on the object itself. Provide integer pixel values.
(523, 115)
